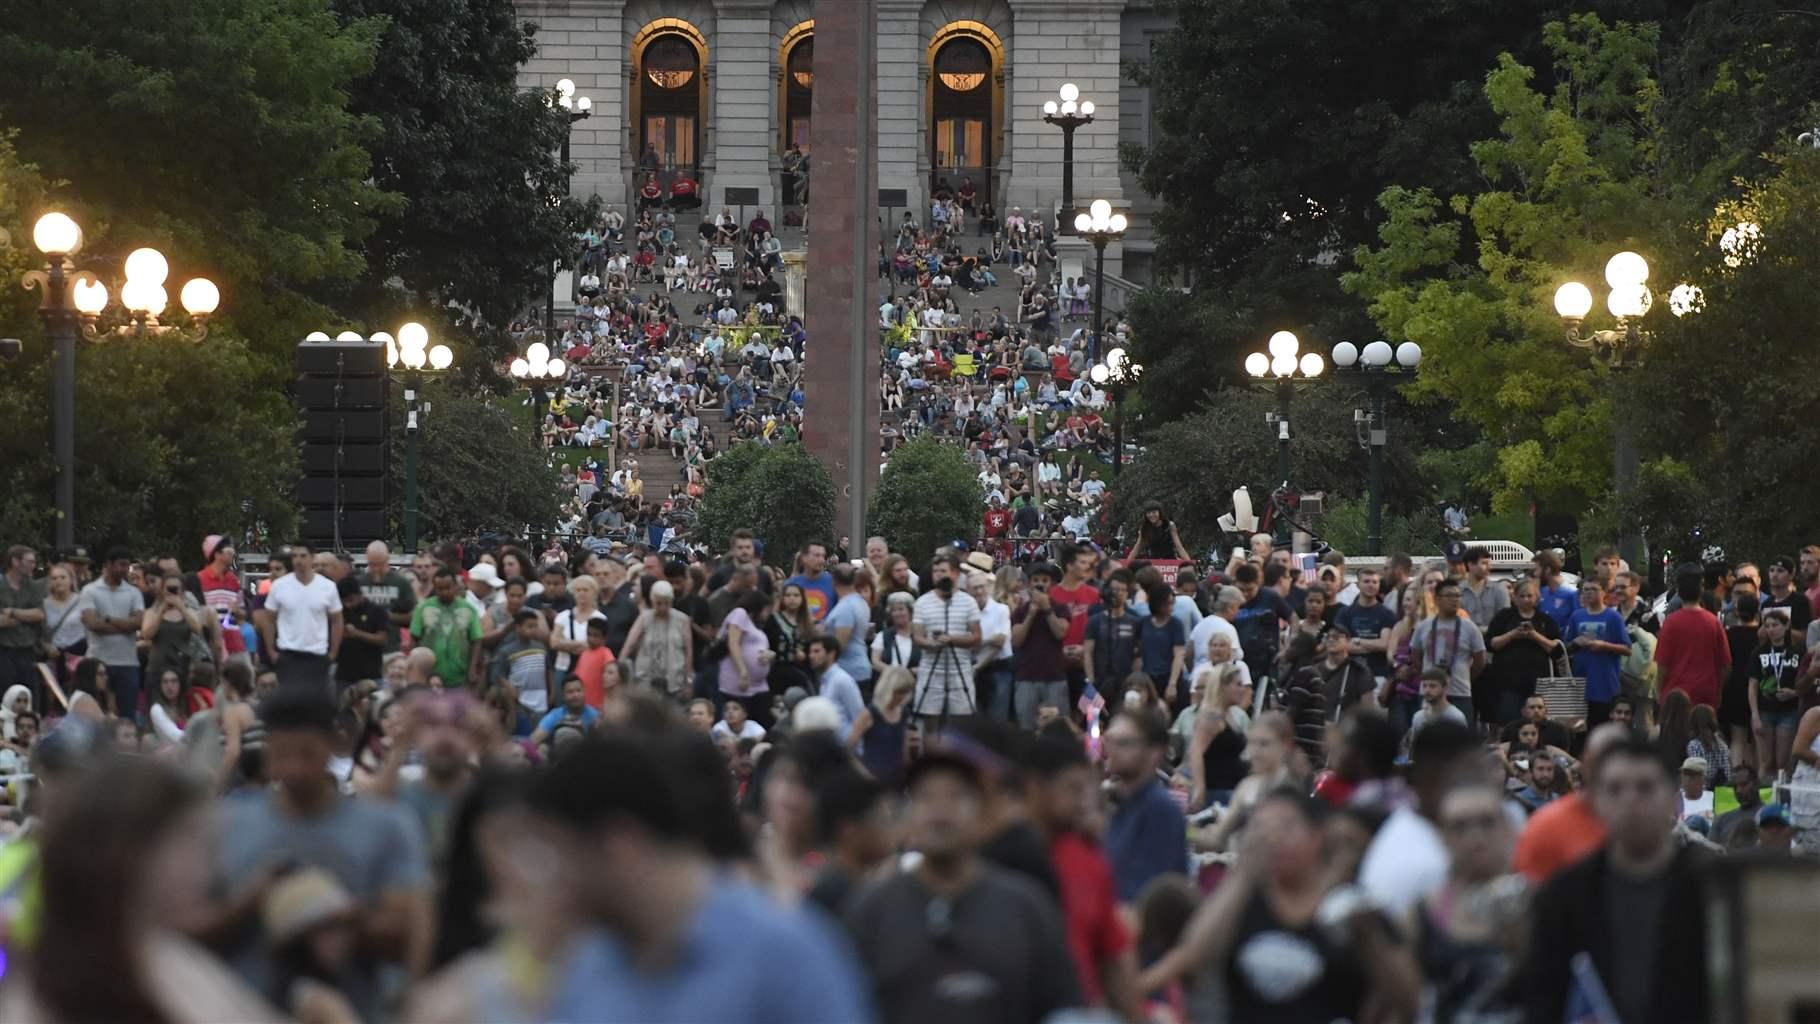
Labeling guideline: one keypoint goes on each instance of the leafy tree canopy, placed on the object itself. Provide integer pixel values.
(928, 496)
(473, 156)
(479, 469)
(779, 492)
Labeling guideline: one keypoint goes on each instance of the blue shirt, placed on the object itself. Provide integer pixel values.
(1559, 604)
(839, 687)
(1159, 644)
(1601, 670)
(1147, 837)
(818, 591)
(851, 612)
(743, 958)
(550, 721)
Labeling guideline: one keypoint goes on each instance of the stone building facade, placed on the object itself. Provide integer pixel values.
(722, 88)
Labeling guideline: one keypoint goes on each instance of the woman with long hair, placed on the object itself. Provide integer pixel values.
(1271, 748)
(1216, 754)
(1402, 693)
(241, 729)
(882, 730)
(894, 579)
(1157, 537)
(1675, 725)
(123, 870)
(1775, 707)
(1707, 744)
(169, 704)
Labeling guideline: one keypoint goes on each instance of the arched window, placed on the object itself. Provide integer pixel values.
(669, 84)
(799, 92)
(961, 113)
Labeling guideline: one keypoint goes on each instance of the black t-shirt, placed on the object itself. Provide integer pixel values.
(359, 659)
(1368, 622)
(1799, 614)
(551, 607)
(621, 612)
(1518, 665)
(1019, 848)
(1260, 622)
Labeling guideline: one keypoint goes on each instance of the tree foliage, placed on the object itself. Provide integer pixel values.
(779, 492)
(1191, 466)
(479, 469)
(473, 157)
(927, 497)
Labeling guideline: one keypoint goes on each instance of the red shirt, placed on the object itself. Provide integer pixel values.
(683, 187)
(997, 521)
(1090, 901)
(1077, 603)
(1694, 655)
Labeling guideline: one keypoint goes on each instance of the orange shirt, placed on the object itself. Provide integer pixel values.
(1562, 832)
(590, 668)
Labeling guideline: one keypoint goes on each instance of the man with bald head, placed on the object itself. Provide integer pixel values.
(386, 587)
(1568, 829)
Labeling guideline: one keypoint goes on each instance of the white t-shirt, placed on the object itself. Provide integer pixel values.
(566, 628)
(748, 730)
(1701, 805)
(303, 612)
(995, 620)
(1204, 631)
(1404, 863)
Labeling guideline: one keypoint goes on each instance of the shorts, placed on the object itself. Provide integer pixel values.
(1789, 719)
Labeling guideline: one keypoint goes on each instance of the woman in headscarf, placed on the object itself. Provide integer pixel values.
(17, 701)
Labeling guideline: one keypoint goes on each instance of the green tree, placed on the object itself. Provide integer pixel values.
(779, 492)
(217, 130)
(479, 469)
(473, 157)
(1572, 177)
(1191, 466)
(928, 496)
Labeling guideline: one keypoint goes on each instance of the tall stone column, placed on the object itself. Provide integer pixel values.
(900, 58)
(742, 101)
(795, 277)
(842, 416)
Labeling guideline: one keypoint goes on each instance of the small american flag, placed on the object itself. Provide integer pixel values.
(1091, 704)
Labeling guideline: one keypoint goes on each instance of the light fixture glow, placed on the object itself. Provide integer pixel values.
(1098, 373)
(565, 86)
(1283, 366)
(349, 336)
(1573, 301)
(441, 357)
(1086, 108)
(1686, 299)
(1070, 92)
(1312, 365)
(1050, 107)
(538, 353)
(1083, 222)
(56, 234)
(148, 265)
(1626, 269)
(1631, 301)
(1284, 343)
(413, 335)
(89, 296)
(200, 296)
(1119, 223)
(1257, 364)
(315, 336)
(558, 368)
(520, 367)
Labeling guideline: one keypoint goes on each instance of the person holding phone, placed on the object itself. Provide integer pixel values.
(167, 626)
(1525, 644)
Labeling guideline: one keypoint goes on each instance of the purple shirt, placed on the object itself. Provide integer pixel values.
(752, 641)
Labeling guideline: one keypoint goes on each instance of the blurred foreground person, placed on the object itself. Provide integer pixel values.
(671, 936)
(125, 869)
(956, 939)
(1621, 932)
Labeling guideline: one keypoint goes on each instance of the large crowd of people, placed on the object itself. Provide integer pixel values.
(484, 785)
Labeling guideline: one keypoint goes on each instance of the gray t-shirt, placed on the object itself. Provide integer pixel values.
(121, 602)
(372, 847)
(1449, 645)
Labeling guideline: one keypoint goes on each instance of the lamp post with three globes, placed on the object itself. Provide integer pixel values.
(1117, 374)
(1100, 226)
(1283, 370)
(1068, 114)
(537, 369)
(1378, 365)
(1627, 274)
(70, 304)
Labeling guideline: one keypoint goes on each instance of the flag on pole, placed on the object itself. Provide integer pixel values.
(1090, 705)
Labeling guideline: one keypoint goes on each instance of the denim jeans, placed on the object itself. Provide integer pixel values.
(123, 681)
(994, 686)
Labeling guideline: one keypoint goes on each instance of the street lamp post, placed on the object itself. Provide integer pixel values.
(1375, 366)
(1100, 226)
(537, 368)
(70, 303)
(1630, 298)
(1117, 374)
(578, 108)
(410, 353)
(1070, 113)
(1283, 373)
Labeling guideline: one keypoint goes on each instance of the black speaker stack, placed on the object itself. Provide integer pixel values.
(344, 403)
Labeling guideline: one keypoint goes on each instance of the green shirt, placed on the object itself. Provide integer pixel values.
(451, 630)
